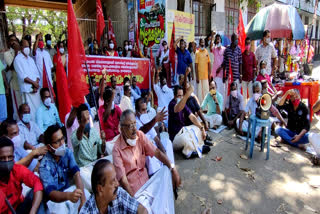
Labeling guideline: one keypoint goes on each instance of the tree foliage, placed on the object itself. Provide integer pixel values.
(32, 21)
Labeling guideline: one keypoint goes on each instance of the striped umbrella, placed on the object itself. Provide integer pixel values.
(281, 20)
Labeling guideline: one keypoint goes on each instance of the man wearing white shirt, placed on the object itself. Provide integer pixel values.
(42, 56)
(28, 78)
(163, 92)
(126, 99)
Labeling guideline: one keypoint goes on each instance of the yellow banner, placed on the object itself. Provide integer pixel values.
(184, 25)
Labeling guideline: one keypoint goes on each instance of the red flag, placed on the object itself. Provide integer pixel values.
(172, 51)
(241, 33)
(77, 84)
(64, 100)
(111, 34)
(138, 40)
(100, 21)
(46, 82)
(230, 77)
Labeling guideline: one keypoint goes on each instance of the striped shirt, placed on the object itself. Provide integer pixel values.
(235, 57)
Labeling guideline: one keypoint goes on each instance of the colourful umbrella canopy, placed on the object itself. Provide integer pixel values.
(281, 20)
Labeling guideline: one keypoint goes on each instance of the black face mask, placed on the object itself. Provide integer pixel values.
(6, 167)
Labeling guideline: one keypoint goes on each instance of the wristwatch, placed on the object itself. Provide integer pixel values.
(172, 166)
(201, 128)
(217, 103)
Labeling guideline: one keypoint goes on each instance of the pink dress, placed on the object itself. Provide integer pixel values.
(260, 77)
(218, 59)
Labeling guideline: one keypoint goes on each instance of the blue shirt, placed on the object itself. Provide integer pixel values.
(184, 60)
(233, 56)
(46, 117)
(20, 153)
(137, 91)
(55, 175)
(208, 101)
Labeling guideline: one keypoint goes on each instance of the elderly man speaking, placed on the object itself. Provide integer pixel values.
(129, 157)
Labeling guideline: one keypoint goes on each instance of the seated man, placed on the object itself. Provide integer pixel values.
(47, 114)
(146, 125)
(214, 101)
(86, 141)
(10, 129)
(56, 167)
(316, 108)
(29, 130)
(12, 176)
(109, 115)
(296, 132)
(125, 102)
(178, 114)
(129, 157)
(108, 196)
(234, 107)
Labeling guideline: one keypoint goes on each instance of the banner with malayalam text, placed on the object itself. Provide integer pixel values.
(121, 67)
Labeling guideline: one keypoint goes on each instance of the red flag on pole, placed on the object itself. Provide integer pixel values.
(241, 33)
(230, 77)
(77, 84)
(64, 100)
(46, 82)
(172, 52)
(111, 34)
(100, 21)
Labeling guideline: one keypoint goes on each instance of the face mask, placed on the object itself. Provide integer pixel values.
(248, 47)
(178, 100)
(126, 47)
(47, 102)
(6, 167)
(132, 142)
(87, 128)
(235, 43)
(112, 105)
(59, 151)
(219, 45)
(26, 118)
(256, 96)
(49, 42)
(234, 93)
(202, 48)
(111, 46)
(268, 40)
(61, 50)
(149, 106)
(263, 71)
(17, 141)
(26, 51)
(165, 47)
(213, 92)
(130, 47)
(41, 44)
(296, 102)
(120, 53)
(209, 42)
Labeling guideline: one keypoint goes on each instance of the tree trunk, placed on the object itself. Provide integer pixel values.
(23, 19)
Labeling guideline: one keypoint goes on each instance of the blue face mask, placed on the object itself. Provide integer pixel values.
(49, 42)
(87, 128)
(120, 53)
(26, 118)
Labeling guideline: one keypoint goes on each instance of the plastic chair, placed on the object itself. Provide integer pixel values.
(253, 122)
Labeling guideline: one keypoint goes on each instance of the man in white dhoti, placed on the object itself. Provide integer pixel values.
(129, 157)
(29, 78)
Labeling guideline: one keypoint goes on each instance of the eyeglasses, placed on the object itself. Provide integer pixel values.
(130, 126)
(63, 139)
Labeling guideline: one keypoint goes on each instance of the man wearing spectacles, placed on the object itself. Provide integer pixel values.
(129, 157)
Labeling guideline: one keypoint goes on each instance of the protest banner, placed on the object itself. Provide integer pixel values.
(102, 66)
(184, 25)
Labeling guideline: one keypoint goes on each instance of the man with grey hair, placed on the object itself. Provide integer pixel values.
(296, 132)
(129, 157)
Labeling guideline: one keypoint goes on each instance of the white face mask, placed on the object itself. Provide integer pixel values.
(132, 142)
(219, 45)
(61, 151)
(268, 40)
(256, 96)
(17, 142)
(26, 118)
(61, 50)
(202, 48)
(234, 93)
(130, 47)
(26, 51)
(263, 71)
(111, 45)
(112, 105)
(126, 47)
(178, 100)
(47, 102)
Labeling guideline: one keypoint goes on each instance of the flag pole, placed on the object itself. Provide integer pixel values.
(92, 94)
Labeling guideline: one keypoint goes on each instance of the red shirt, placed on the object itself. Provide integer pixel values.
(248, 66)
(13, 189)
(111, 127)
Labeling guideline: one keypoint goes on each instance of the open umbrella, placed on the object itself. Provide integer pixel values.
(281, 20)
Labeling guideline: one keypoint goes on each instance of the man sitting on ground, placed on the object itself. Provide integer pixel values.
(296, 132)
(30, 133)
(129, 157)
(214, 102)
(12, 176)
(108, 196)
(55, 168)
(86, 140)
(47, 113)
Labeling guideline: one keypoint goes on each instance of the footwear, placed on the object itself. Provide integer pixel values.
(208, 138)
(208, 143)
(205, 149)
(193, 155)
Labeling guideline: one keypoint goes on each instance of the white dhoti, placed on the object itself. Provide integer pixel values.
(67, 206)
(152, 163)
(245, 126)
(156, 195)
(189, 139)
(34, 101)
(203, 89)
(213, 120)
(220, 85)
(16, 101)
(314, 140)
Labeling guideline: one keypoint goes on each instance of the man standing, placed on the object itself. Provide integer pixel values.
(134, 86)
(43, 60)
(203, 68)
(163, 92)
(108, 196)
(126, 99)
(3, 91)
(184, 57)
(29, 78)
(48, 47)
(266, 52)
(249, 69)
(118, 96)
(232, 55)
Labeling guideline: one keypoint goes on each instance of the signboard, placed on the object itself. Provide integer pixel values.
(184, 25)
(151, 22)
(120, 67)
